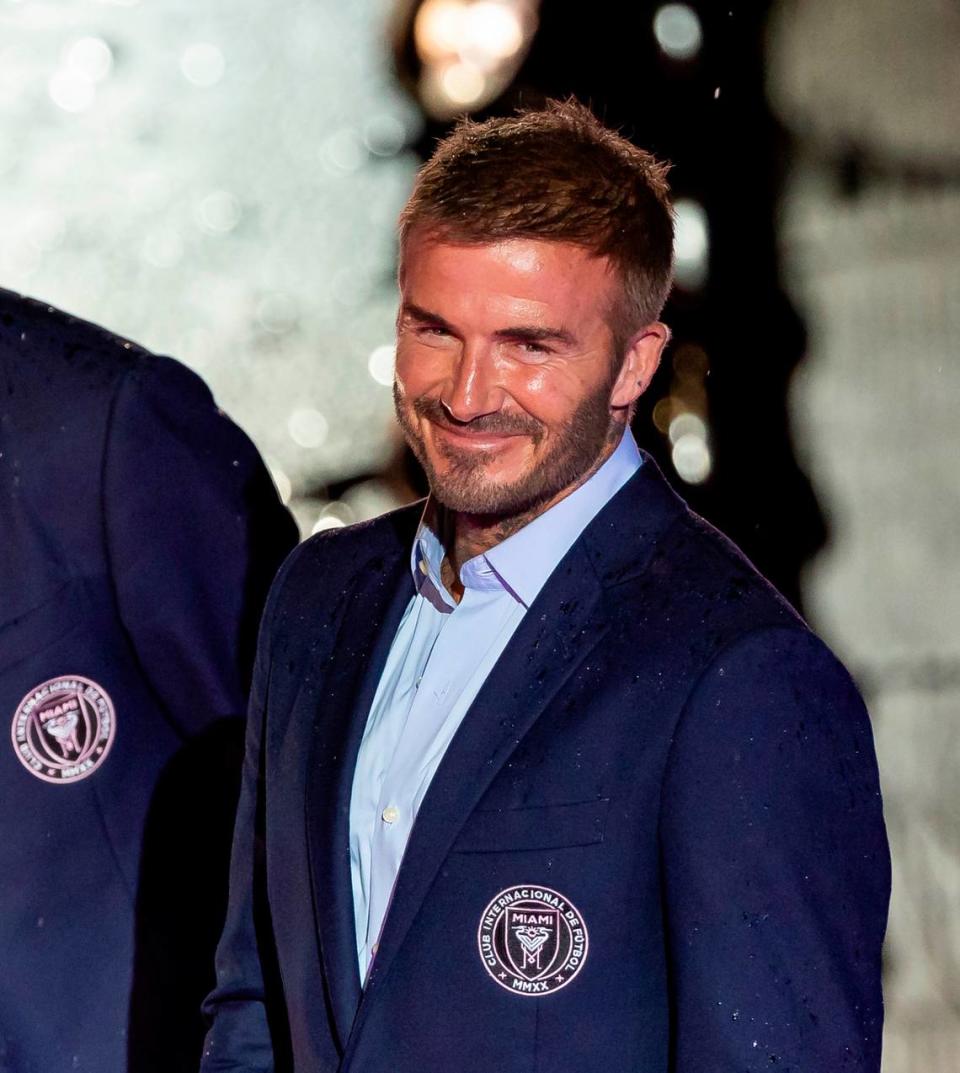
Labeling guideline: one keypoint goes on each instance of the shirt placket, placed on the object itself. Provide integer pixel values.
(402, 786)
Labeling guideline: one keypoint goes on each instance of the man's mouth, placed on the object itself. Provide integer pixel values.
(478, 439)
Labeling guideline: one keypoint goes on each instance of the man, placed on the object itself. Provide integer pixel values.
(140, 532)
(543, 775)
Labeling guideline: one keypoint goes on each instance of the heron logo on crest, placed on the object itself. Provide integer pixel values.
(532, 940)
(63, 729)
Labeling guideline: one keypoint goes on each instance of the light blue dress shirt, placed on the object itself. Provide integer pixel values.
(439, 659)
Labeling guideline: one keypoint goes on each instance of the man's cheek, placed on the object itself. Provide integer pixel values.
(417, 370)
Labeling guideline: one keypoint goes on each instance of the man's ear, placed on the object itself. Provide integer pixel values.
(639, 363)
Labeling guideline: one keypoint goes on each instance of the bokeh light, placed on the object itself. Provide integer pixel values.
(203, 64)
(691, 243)
(308, 428)
(469, 50)
(381, 362)
(691, 458)
(678, 31)
(89, 58)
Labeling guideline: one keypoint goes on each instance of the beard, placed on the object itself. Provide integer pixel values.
(465, 486)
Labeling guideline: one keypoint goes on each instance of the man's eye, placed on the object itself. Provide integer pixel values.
(532, 349)
(432, 331)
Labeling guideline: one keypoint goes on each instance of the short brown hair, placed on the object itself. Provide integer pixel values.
(558, 174)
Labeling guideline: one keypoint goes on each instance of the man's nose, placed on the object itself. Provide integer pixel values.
(474, 389)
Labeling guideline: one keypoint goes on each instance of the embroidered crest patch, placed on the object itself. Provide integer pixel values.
(532, 940)
(63, 729)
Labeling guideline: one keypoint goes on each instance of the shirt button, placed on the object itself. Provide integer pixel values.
(390, 814)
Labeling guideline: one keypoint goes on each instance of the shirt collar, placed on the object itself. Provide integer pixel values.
(522, 563)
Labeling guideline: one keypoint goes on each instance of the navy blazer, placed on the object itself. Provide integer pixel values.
(664, 755)
(140, 532)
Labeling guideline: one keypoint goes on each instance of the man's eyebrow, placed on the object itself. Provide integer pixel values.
(424, 316)
(520, 333)
(534, 334)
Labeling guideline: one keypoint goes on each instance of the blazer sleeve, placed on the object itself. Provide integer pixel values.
(775, 865)
(244, 1010)
(195, 534)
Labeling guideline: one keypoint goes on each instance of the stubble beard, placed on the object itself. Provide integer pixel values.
(465, 487)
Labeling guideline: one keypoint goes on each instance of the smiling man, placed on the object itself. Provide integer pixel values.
(541, 773)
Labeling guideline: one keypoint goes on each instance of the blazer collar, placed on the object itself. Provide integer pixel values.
(621, 539)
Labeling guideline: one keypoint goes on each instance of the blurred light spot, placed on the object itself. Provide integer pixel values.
(687, 424)
(491, 30)
(219, 212)
(691, 244)
(202, 64)
(89, 58)
(308, 428)
(438, 28)
(339, 510)
(70, 91)
(277, 313)
(327, 521)
(163, 248)
(371, 498)
(462, 82)
(662, 413)
(282, 481)
(384, 135)
(678, 31)
(469, 50)
(486, 31)
(381, 363)
(691, 458)
(342, 151)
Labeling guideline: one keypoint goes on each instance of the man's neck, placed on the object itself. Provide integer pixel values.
(468, 535)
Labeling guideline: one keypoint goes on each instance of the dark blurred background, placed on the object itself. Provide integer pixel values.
(221, 184)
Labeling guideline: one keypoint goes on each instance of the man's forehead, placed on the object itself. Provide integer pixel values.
(528, 250)
(514, 270)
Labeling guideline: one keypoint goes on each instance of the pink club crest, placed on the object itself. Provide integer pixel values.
(63, 729)
(532, 940)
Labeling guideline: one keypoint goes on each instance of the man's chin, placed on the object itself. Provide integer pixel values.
(487, 498)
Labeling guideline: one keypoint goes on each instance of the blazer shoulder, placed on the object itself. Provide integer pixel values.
(334, 558)
(704, 567)
(52, 362)
(695, 595)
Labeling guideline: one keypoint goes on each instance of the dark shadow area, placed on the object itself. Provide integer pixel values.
(182, 899)
(276, 1005)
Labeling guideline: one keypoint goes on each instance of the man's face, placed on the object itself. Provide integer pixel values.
(506, 386)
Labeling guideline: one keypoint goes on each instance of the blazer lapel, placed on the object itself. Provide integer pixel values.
(348, 685)
(557, 633)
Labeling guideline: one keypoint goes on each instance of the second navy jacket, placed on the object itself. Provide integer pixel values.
(139, 533)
